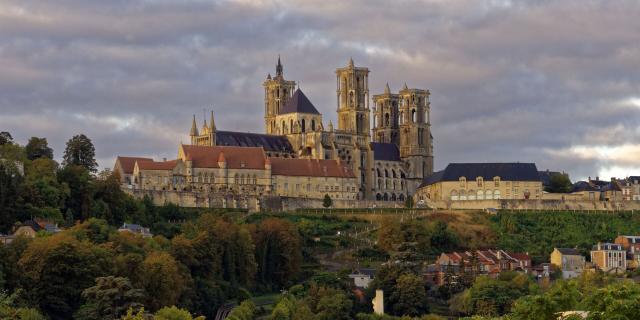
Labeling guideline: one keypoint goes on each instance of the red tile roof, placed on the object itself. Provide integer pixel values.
(310, 168)
(127, 163)
(152, 165)
(236, 157)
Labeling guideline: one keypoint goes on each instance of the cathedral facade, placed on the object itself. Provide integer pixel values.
(384, 140)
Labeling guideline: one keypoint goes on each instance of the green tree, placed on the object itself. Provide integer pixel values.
(334, 307)
(38, 148)
(8, 310)
(110, 298)
(81, 188)
(409, 202)
(278, 252)
(327, 202)
(559, 183)
(162, 280)
(410, 295)
(58, 268)
(5, 138)
(10, 212)
(174, 313)
(245, 311)
(80, 152)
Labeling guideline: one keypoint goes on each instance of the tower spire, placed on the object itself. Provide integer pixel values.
(194, 127)
(351, 62)
(279, 67)
(386, 89)
(213, 124)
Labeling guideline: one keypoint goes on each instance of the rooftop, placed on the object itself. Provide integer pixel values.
(514, 171)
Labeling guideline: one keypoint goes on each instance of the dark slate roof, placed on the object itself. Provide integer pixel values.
(385, 151)
(433, 178)
(569, 251)
(584, 186)
(299, 103)
(514, 171)
(242, 139)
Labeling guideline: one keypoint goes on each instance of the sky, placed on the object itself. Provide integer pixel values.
(551, 82)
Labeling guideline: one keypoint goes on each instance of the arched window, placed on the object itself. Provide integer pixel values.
(480, 195)
(496, 181)
(386, 119)
(488, 195)
(378, 197)
(386, 173)
(471, 194)
(304, 126)
(393, 172)
(378, 171)
(463, 195)
(282, 129)
(496, 194)
(454, 195)
(479, 180)
(291, 126)
(413, 115)
(313, 125)
(393, 197)
(385, 197)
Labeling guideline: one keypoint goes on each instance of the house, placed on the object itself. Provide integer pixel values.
(586, 191)
(569, 260)
(28, 229)
(362, 277)
(6, 239)
(137, 229)
(630, 188)
(124, 169)
(482, 181)
(631, 244)
(609, 257)
(542, 270)
(486, 262)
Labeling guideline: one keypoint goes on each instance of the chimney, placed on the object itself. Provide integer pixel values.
(164, 159)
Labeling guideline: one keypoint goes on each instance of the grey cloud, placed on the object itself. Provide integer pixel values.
(510, 80)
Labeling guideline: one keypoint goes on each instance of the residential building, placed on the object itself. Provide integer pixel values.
(630, 188)
(136, 229)
(362, 277)
(482, 181)
(609, 257)
(569, 260)
(631, 244)
(478, 262)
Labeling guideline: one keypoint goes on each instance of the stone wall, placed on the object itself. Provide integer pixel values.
(535, 205)
(253, 203)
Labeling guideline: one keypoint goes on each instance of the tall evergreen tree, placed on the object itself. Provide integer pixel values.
(80, 152)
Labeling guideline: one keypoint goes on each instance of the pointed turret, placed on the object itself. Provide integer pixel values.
(194, 127)
(222, 161)
(330, 126)
(386, 89)
(351, 62)
(279, 68)
(405, 87)
(269, 76)
(212, 122)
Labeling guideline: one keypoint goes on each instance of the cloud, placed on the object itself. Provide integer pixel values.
(553, 82)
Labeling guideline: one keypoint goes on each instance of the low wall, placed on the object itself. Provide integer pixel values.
(536, 205)
(252, 203)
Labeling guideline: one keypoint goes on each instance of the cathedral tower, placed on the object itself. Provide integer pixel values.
(386, 117)
(353, 99)
(277, 91)
(416, 145)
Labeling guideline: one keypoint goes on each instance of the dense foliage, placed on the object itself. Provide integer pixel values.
(540, 231)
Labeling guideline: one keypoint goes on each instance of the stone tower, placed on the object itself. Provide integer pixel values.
(386, 117)
(277, 91)
(353, 99)
(416, 146)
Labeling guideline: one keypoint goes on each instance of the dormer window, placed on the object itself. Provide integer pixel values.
(479, 180)
(242, 164)
(463, 182)
(496, 181)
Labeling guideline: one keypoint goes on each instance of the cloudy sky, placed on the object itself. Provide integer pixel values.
(552, 82)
